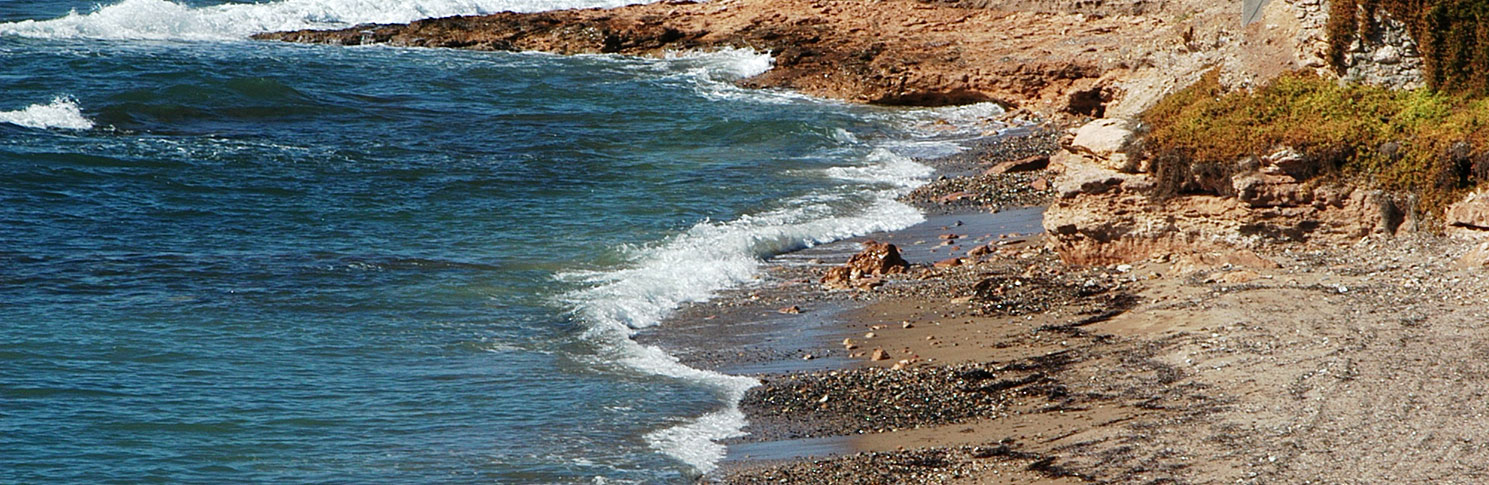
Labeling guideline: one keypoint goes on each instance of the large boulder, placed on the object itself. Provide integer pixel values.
(1469, 218)
(1110, 142)
(865, 269)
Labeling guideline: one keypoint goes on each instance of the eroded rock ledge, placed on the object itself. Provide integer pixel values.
(1111, 208)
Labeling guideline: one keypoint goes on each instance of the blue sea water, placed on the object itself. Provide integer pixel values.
(229, 261)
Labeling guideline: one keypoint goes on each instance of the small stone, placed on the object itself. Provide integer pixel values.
(868, 335)
(949, 263)
(848, 344)
(907, 324)
(956, 196)
(1239, 277)
(793, 309)
(1041, 184)
(879, 354)
(1036, 162)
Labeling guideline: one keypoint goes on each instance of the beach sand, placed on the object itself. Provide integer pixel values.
(1292, 363)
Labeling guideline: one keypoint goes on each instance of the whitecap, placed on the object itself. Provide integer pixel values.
(712, 256)
(63, 112)
(167, 20)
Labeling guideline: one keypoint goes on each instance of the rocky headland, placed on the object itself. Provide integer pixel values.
(1263, 251)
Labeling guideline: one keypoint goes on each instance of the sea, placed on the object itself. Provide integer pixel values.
(232, 261)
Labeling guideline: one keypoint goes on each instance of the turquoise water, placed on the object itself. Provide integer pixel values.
(229, 261)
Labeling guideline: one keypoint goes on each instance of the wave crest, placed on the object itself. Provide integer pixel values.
(63, 112)
(712, 256)
(166, 20)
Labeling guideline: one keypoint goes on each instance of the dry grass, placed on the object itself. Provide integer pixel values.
(1422, 142)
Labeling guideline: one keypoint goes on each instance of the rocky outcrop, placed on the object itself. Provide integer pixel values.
(1110, 142)
(1048, 60)
(866, 269)
(1103, 215)
(1469, 218)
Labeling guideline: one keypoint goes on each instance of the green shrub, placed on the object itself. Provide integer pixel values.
(1418, 141)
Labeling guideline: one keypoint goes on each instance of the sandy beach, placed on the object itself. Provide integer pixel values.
(1300, 363)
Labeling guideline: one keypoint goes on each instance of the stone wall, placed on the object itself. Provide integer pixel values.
(1387, 57)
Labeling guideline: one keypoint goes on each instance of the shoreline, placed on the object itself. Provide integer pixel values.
(1190, 367)
(1283, 332)
(750, 331)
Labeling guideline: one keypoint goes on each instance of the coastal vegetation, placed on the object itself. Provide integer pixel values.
(1424, 142)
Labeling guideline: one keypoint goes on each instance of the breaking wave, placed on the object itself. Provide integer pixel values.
(62, 113)
(166, 20)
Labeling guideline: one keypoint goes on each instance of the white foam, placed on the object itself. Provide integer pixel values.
(713, 75)
(63, 112)
(712, 256)
(977, 118)
(166, 20)
(890, 168)
(728, 64)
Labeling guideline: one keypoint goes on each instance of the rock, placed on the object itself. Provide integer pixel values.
(1266, 190)
(949, 236)
(956, 196)
(879, 354)
(1478, 257)
(1387, 54)
(907, 324)
(868, 335)
(1286, 161)
(793, 309)
(979, 252)
(1239, 277)
(1109, 142)
(1041, 184)
(1469, 218)
(949, 263)
(864, 269)
(848, 344)
(1036, 162)
(1083, 177)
